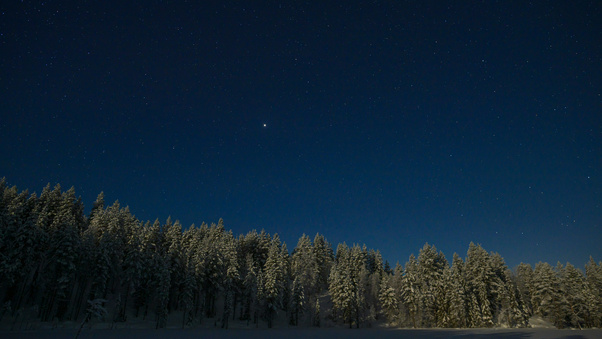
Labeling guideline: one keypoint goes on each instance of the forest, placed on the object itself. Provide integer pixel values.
(58, 264)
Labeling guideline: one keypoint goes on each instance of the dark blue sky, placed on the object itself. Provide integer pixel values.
(390, 123)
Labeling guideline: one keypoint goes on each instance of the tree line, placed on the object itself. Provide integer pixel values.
(59, 264)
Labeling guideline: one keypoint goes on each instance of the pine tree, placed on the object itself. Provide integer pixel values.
(162, 280)
(132, 265)
(324, 260)
(561, 311)
(431, 267)
(305, 272)
(231, 277)
(176, 262)
(456, 290)
(297, 301)
(98, 205)
(479, 278)
(513, 310)
(524, 283)
(574, 286)
(336, 290)
(53, 259)
(188, 289)
(274, 278)
(63, 249)
(593, 273)
(144, 288)
(411, 292)
(546, 298)
(345, 285)
(316, 316)
(389, 299)
(371, 281)
(359, 275)
(250, 284)
(22, 249)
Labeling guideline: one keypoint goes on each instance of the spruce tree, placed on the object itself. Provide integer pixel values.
(411, 291)
(345, 285)
(574, 286)
(524, 283)
(479, 278)
(431, 267)
(324, 260)
(297, 301)
(274, 278)
(593, 274)
(456, 290)
(389, 299)
(546, 297)
(305, 273)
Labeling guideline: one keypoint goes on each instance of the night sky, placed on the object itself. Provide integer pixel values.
(389, 123)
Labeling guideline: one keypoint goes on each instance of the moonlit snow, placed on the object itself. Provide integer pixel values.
(317, 333)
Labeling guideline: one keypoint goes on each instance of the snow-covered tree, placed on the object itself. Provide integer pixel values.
(274, 280)
(371, 280)
(593, 274)
(547, 296)
(305, 274)
(456, 291)
(345, 284)
(575, 295)
(479, 276)
(411, 291)
(524, 283)
(53, 259)
(431, 267)
(162, 281)
(389, 298)
(323, 255)
(297, 301)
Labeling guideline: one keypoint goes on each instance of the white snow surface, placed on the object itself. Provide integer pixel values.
(293, 333)
(210, 328)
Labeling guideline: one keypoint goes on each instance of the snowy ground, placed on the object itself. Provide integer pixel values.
(209, 328)
(293, 333)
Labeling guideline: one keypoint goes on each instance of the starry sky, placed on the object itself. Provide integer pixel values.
(389, 123)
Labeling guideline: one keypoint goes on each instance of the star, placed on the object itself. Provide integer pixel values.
(265, 125)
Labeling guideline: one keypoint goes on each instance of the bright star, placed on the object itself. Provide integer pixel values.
(265, 125)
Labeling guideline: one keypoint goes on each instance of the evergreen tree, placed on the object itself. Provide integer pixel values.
(371, 280)
(132, 263)
(63, 249)
(345, 285)
(188, 289)
(411, 291)
(524, 283)
(389, 298)
(324, 260)
(53, 259)
(316, 316)
(546, 297)
(456, 290)
(175, 261)
(593, 273)
(19, 245)
(162, 279)
(431, 267)
(305, 273)
(274, 280)
(575, 289)
(250, 283)
(231, 277)
(297, 301)
(513, 310)
(479, 277)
